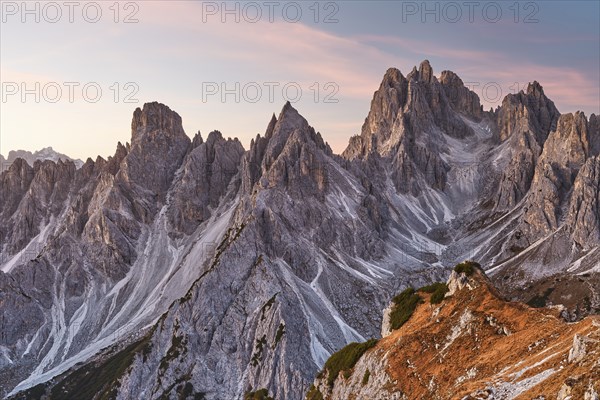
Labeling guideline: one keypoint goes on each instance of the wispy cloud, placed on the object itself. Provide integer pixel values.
(569, 87)
(307, 52)
(171, 52)
(357, 62)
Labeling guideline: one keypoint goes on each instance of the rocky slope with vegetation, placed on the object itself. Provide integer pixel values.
(468, 344)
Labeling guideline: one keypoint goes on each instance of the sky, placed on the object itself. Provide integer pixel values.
(73, 73)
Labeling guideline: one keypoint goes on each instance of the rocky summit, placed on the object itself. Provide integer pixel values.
(192, 268)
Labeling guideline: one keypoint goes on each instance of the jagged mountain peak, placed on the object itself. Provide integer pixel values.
(447, 76)
(426, 72)
(204, 178)
(280, 129)
(575, 124)
(391, 79)
(461, 98)
(214, 136)
(419, 103)
(113, 163)
(153, 117)
(535, 88)
(19, 165)
(528, 110)
(525, 121)
(287, 139)
(156, 122)
(413, 74)
(271, 126)
(158, 146)
(291, 118)
(197, 140)
(392, 74)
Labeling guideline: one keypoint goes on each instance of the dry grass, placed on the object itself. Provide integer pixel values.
(420, 352)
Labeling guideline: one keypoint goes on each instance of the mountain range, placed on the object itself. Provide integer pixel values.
(47, 153)
(194, 268)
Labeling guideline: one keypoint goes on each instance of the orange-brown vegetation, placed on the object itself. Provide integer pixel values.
(474, 344)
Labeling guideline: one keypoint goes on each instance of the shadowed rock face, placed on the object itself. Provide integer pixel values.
(207, 171)
(594, 128)
(406, 117)
(460, 97)
(31, 197)
(525, 121)
(583, 218)
(263, 262)
(565, 152)
(69, 235)
(418, 103)
(158, 145)
(277, 296)
(527, 111)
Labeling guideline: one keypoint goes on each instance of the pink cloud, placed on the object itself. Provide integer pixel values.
(570, 88)
(307, 53)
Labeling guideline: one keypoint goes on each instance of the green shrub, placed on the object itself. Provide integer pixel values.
(438, 290)
(267, 306)
(260, 345)
(404, 305)
(346, 358)
(439, 295)
(466, 267)
(36, 392)
(177, 347)
(279, 334)
(366, 377)
(539, 301)
(98, 379)
(430, 288)
(314, 394)
(185, 391)
(262, 394)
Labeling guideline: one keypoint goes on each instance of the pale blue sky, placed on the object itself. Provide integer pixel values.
(179, 49)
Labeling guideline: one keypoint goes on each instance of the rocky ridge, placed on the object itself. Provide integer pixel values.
(47, 153)
(445, 350)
